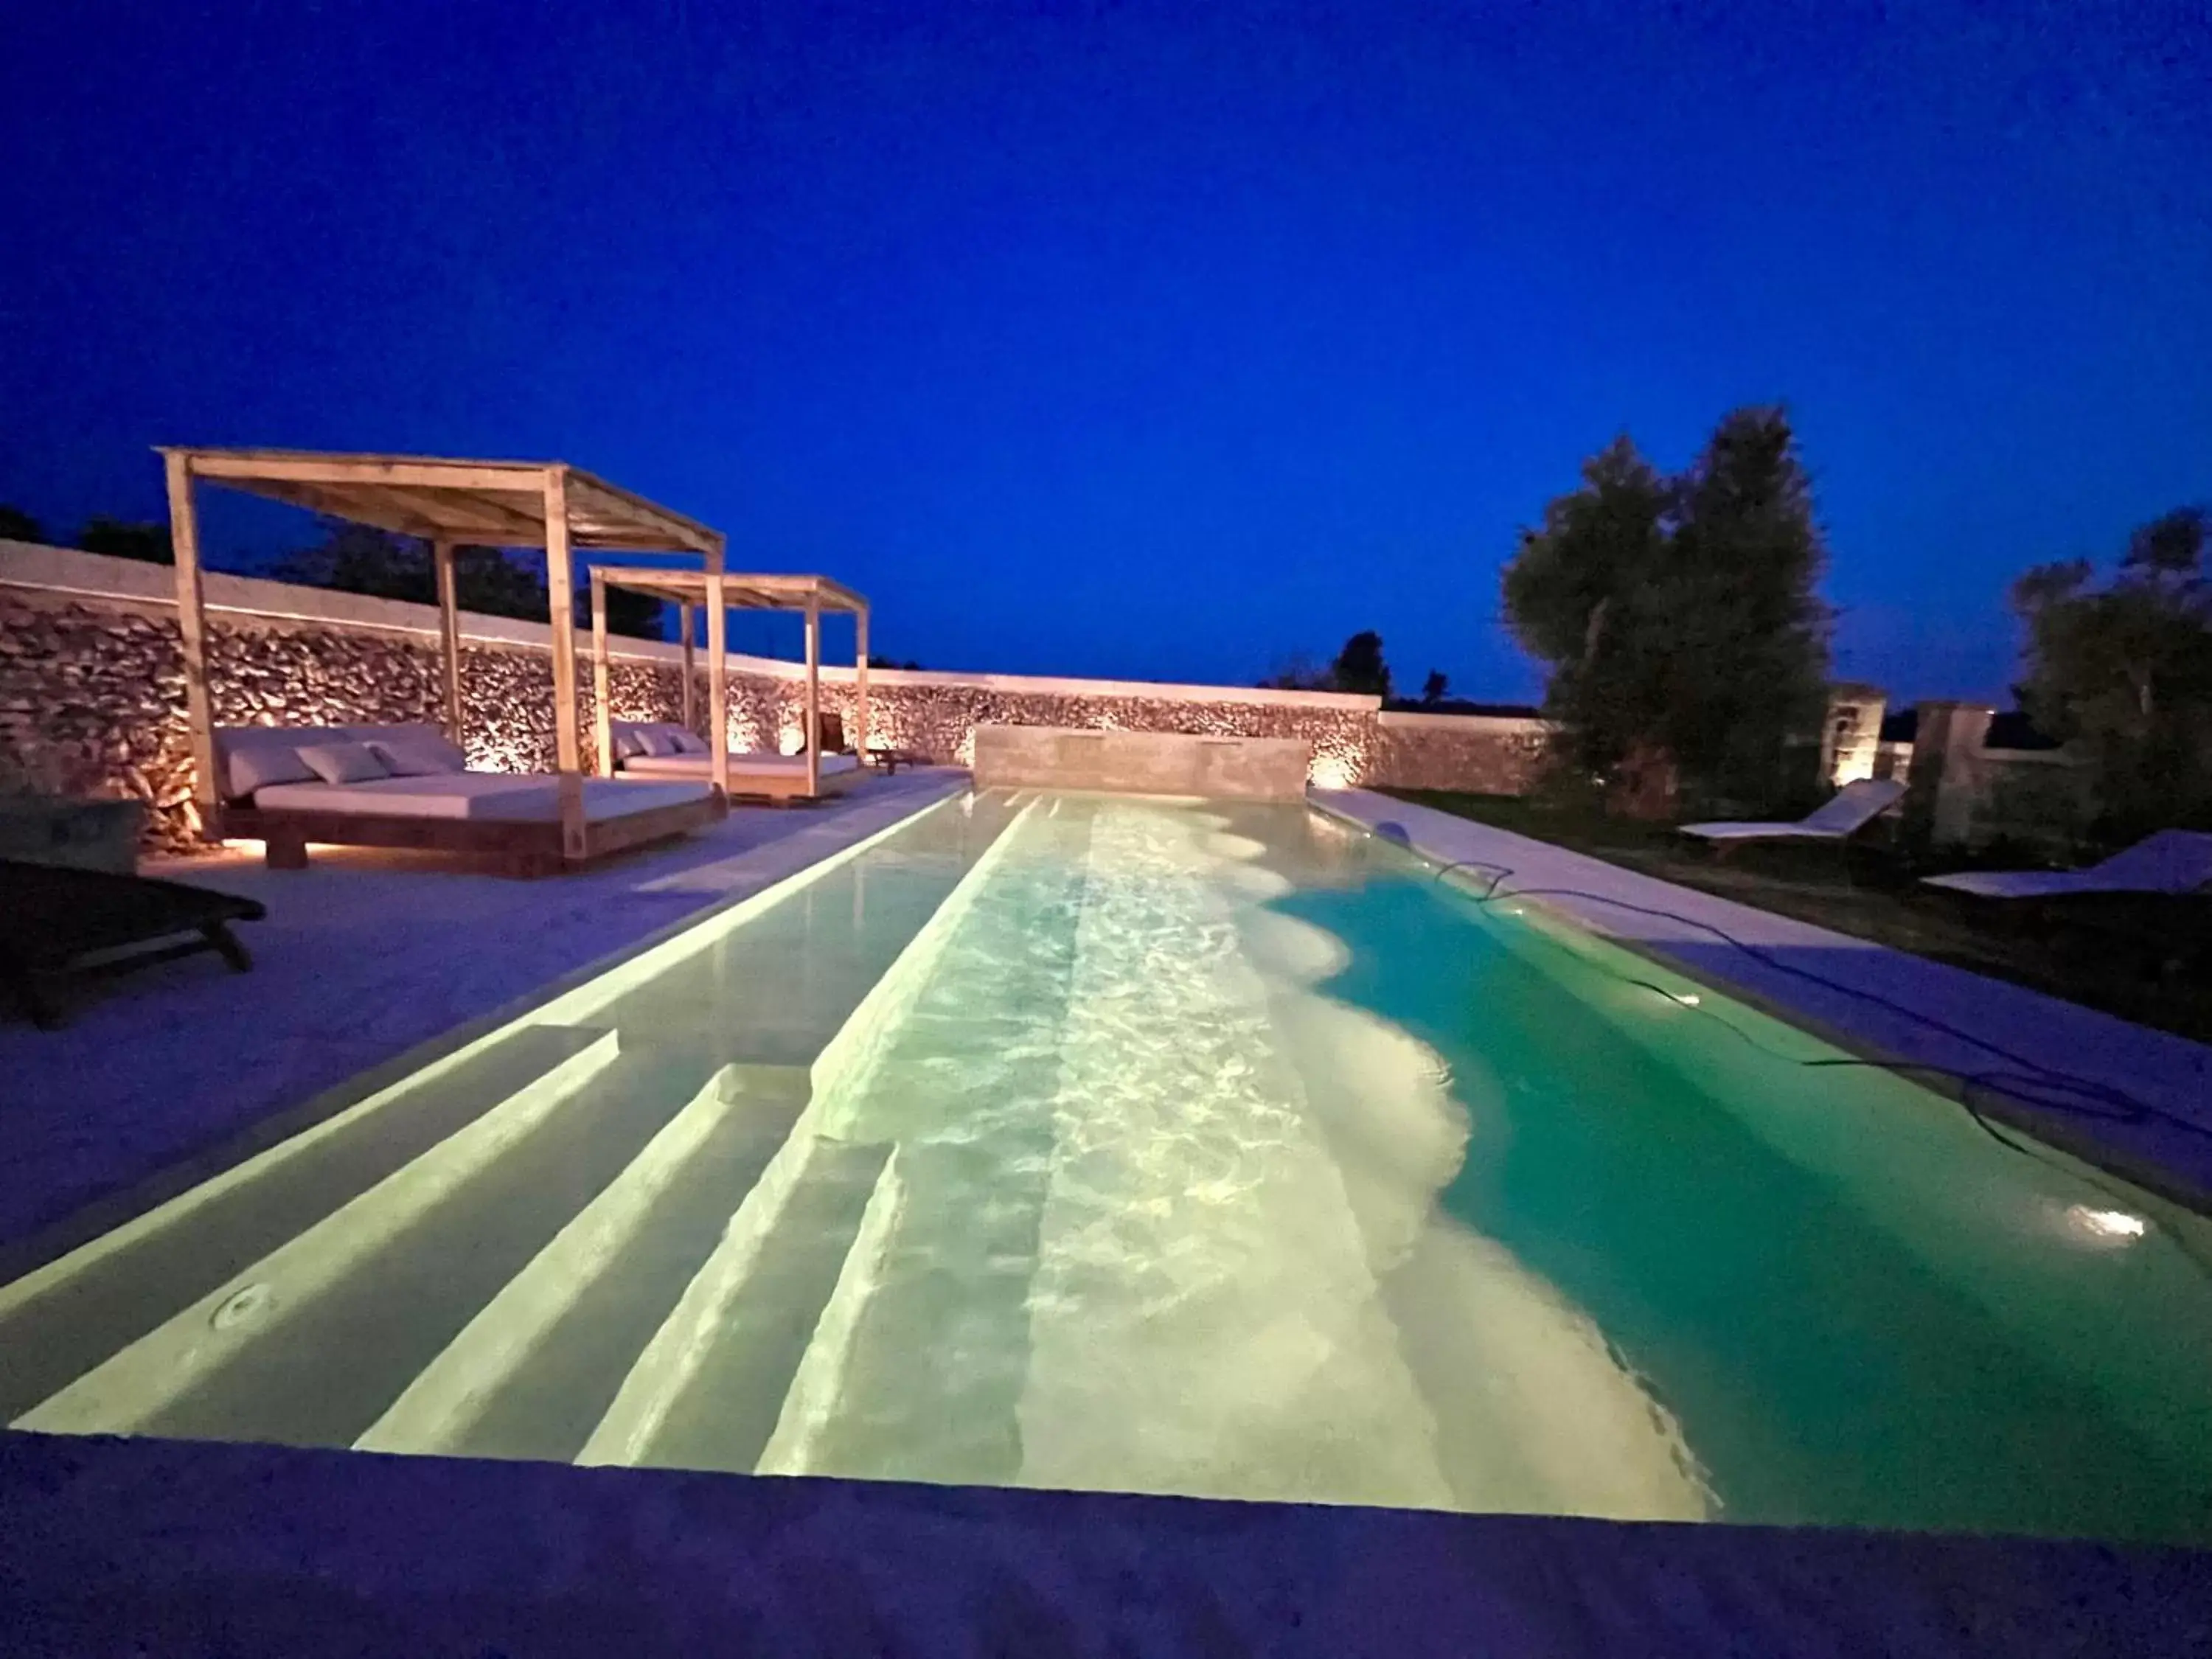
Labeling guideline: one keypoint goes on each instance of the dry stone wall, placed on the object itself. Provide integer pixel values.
(92, 696)
(91, 701)
(1471, 754)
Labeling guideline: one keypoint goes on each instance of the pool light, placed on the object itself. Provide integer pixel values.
(2105, 1223)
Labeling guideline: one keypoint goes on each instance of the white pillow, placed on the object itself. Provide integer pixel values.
(628, 740)
(263, 765)
(652, 740)
(688, 743)
(344, 762)
(423, 757)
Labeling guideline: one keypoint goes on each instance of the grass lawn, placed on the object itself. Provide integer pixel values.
(1868, 891)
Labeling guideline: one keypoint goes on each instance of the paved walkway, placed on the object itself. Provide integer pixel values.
(2140, 1099)
(363, 955)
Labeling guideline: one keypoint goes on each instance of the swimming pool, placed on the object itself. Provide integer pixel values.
(1098, 1142)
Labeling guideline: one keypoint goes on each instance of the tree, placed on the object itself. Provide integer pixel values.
(875, 661)
(1434, 689)
(1678, 615)
(119, 539)
(1360, 666)
(17, 526)
(637, 614)
(358, 558)
(1298, 673)
(2124, 672)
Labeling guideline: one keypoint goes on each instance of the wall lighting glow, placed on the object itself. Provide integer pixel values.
(1329, 772)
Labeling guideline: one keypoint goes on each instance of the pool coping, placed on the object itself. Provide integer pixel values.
(1863, 997)
(139, 1546)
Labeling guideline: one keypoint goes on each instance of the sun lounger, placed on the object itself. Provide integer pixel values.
(1852, 808)
(275, 796)
(57, 923)
(2173, 862)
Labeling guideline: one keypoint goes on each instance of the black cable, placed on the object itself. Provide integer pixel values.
(2123, 1108)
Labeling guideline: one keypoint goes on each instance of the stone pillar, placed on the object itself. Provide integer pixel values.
(1851, 734)
(1944, 781)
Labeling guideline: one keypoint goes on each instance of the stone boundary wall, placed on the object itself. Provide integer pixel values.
(92, 691)
(1474, 754)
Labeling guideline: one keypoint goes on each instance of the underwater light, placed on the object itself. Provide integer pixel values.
(2105, 1223)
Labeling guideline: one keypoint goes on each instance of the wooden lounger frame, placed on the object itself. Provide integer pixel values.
(520, 847)
(45, 945)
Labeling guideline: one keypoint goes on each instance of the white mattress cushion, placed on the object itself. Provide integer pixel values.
(345, 762)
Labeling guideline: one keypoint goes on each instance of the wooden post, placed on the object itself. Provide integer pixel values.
(718, 712)
(449, 633)
(191, 629)
(603, 717)
(860, 684)
(560, 603)
(684, 612)
(814, 693)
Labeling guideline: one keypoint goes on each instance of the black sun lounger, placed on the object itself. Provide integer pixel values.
(57, 923)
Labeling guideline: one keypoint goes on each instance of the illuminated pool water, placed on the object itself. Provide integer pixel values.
(1078, 1141)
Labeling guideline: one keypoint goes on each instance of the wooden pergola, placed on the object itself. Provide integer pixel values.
(448, 503)
(811, 595)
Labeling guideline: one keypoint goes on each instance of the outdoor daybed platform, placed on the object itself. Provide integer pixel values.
(516, 818)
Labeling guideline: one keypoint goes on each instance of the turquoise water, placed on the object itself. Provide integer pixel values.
(1096, 1142)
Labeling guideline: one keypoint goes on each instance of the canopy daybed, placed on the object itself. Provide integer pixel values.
(422, 798)
(808, 775)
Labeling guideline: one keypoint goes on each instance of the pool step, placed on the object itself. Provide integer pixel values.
(62, 1319)
(172, 1380)
(707, 1389)
(915, 1372)
(538, 1367)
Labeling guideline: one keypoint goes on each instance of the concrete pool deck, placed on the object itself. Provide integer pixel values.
(2137, 1100)
(171, 1547)
(364, 956)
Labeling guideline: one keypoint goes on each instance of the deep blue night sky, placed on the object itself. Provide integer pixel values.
(1148, 341)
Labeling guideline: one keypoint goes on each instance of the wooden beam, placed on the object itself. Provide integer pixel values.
(603, 719)
(687, 613)
(718, 704)
(813, 698)
(560, 603)
(860, 684)
(473, 516)
(449, 634)
(356, 506)
(603, 501)
(244, 466)
(191, 630)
